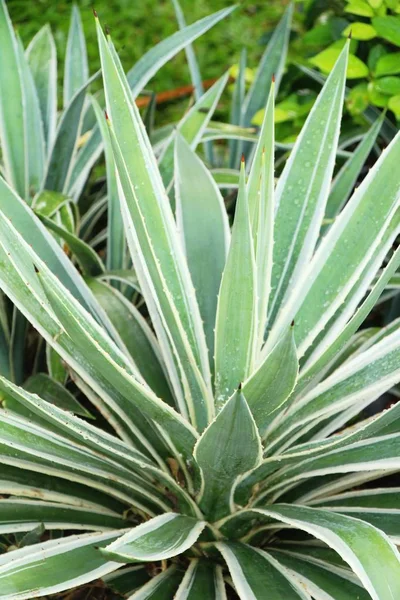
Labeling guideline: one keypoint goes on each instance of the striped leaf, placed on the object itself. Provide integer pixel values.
(54, 566)
(12, 112)
(192, 127)
(42, 59)
(160, 538)
(346, 178)
(161, 587)
(320, 579)
(346, 251)
(367, 550)
(156, 252)
(137, 337)
(202, 580)
(271, 63)
(303, 189)
(116, 243)
(260, 191)
(21, 515)
(253, 571)
(366, 376)
(64, 147)
(76, 70)
(204, 229)
(272, 383)
(236, 321)
(154, 59)
(229, 447)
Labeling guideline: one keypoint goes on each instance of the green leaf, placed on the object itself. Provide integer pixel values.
(202, 580)
(126, 581)
(378, 507)
(195, 74)
(321, 578)
(43, 243)
(346, 252)
(346, 178)
(26, 444)
(375, 54)
(16, 481)
(137, 337)
(86, 336)
(380, 453)
(194, 70)
(368, 551)
(18, 515)
(89, 261)
(192, 126)
(160, 538)
(154, 59)
(161, 587)
(327, 59)
(359, 31)
(157, 255)
(236, 114)
(254, 571)
(12, 113)
(55, 366)
(236, 325)
(33, 299)
(204, 228)
(303, 188)
(116, 244)
(272, 383)
(64, 147)
(55, 393)
(84, 161)
(34, 144)
(76, 69)
(229, 447)
(17, 344)
(138, 76)
(389, 64)
(54, 566)
(226, 178)
(128, 469)
(394, 105)
(348, 385)
(375, 97)
(389, 85)
(388, 28)
(4, 339)
(260, 191)
(271, 64)
(359, 7)
(42, 58)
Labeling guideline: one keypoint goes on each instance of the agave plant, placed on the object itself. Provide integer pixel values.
(219, 474)
(48, 154)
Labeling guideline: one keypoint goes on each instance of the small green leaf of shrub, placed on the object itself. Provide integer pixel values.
(326, 59)
(360, 31)
(388, 28)
(388, 64)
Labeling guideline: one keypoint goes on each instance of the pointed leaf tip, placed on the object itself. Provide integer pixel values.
(96, 16)
(350, 34)
(273, 78)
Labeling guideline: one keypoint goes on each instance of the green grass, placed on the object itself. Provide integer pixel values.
(137, 25)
